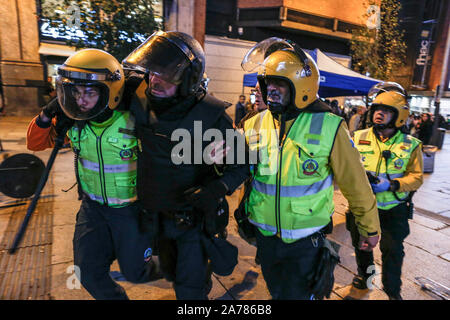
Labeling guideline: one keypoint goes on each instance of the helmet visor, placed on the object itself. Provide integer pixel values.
(82, 100)
(160, 56)
(255, 56)
(384, 87)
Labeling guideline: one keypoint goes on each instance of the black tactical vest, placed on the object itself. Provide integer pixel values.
(161, 183)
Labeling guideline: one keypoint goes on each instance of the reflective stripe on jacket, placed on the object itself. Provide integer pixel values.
(292, 192)
(401, 146)
(107, 159)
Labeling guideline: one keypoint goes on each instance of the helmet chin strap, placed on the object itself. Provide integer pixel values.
(276, 108)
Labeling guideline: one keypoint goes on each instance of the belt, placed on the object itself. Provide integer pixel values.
(172, 214)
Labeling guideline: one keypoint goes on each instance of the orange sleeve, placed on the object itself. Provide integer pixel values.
(39, 139)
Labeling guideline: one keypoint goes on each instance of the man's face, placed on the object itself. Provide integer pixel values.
(259, 102)
(278, 92)
(86, 97)
(242, 99)
(161, 88)
(382, 115)
(361, 111)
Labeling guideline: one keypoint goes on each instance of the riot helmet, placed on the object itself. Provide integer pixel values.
(276, 58)
(173, 56)
(89, 82)
(394, 101)
(385, 86)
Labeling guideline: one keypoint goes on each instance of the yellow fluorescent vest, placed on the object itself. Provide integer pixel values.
(292, 190)
(401, 146)
(107, 160)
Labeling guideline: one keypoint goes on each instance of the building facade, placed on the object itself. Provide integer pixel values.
(31, 50)
(21, 69)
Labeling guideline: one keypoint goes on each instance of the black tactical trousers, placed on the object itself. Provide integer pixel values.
(286, 266)
(103, 234)
(394, 230)
(183, 260)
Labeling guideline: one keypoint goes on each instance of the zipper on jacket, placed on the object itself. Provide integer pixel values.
(278, 178)
(98, 144)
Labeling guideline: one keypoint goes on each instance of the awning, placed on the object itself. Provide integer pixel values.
(51, 49)
(335, 79)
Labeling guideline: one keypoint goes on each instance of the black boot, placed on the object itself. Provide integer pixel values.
(360, 282)
(394, 296)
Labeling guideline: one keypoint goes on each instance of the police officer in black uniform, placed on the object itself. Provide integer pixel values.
(186, 196)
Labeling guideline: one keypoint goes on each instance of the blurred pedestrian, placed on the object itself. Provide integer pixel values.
(409, 124)
(249, 107)
(259, 106)
(356, 119)
(240, 110)
(425, 129)
(334, 104)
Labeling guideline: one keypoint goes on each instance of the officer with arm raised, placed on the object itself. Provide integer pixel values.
(302, 149)
(89, 88)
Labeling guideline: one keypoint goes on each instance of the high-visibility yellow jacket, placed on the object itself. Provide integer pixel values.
(107, 160)
(404, 165)
(292, 191)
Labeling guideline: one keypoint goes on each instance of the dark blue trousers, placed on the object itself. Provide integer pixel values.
(286, 266)
(103, 234)
(184, 261)
(394, 230)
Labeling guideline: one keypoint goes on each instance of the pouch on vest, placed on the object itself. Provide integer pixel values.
(321, 281)
(216, 223)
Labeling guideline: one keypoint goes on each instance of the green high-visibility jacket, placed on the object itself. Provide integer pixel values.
(292, 190)
(107, 159)
(401, 146)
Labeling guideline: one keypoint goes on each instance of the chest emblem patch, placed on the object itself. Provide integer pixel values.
(126, 154)
(310, 167)
(398, 164)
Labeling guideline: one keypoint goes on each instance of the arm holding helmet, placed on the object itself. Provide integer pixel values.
(42, 130)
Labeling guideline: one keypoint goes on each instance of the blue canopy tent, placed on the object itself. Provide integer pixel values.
(335, 79)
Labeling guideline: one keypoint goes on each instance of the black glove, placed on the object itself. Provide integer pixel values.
(63, 123)
(206, 198)
(322, 280)
(52, 109)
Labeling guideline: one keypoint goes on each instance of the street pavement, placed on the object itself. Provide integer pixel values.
(43, 267)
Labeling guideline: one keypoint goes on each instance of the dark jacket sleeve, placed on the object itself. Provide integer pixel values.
(236, 169)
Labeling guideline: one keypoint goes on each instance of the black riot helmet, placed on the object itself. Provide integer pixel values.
(174, 56)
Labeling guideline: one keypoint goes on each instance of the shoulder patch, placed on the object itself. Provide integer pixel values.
(364, 142)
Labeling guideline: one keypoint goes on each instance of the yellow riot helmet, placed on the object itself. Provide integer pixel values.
(385, 86)
(283, 59)
(89, 82)
(395, 101)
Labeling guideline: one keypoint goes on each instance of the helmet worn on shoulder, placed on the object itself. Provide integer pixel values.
(89, 82)
(175, 56)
